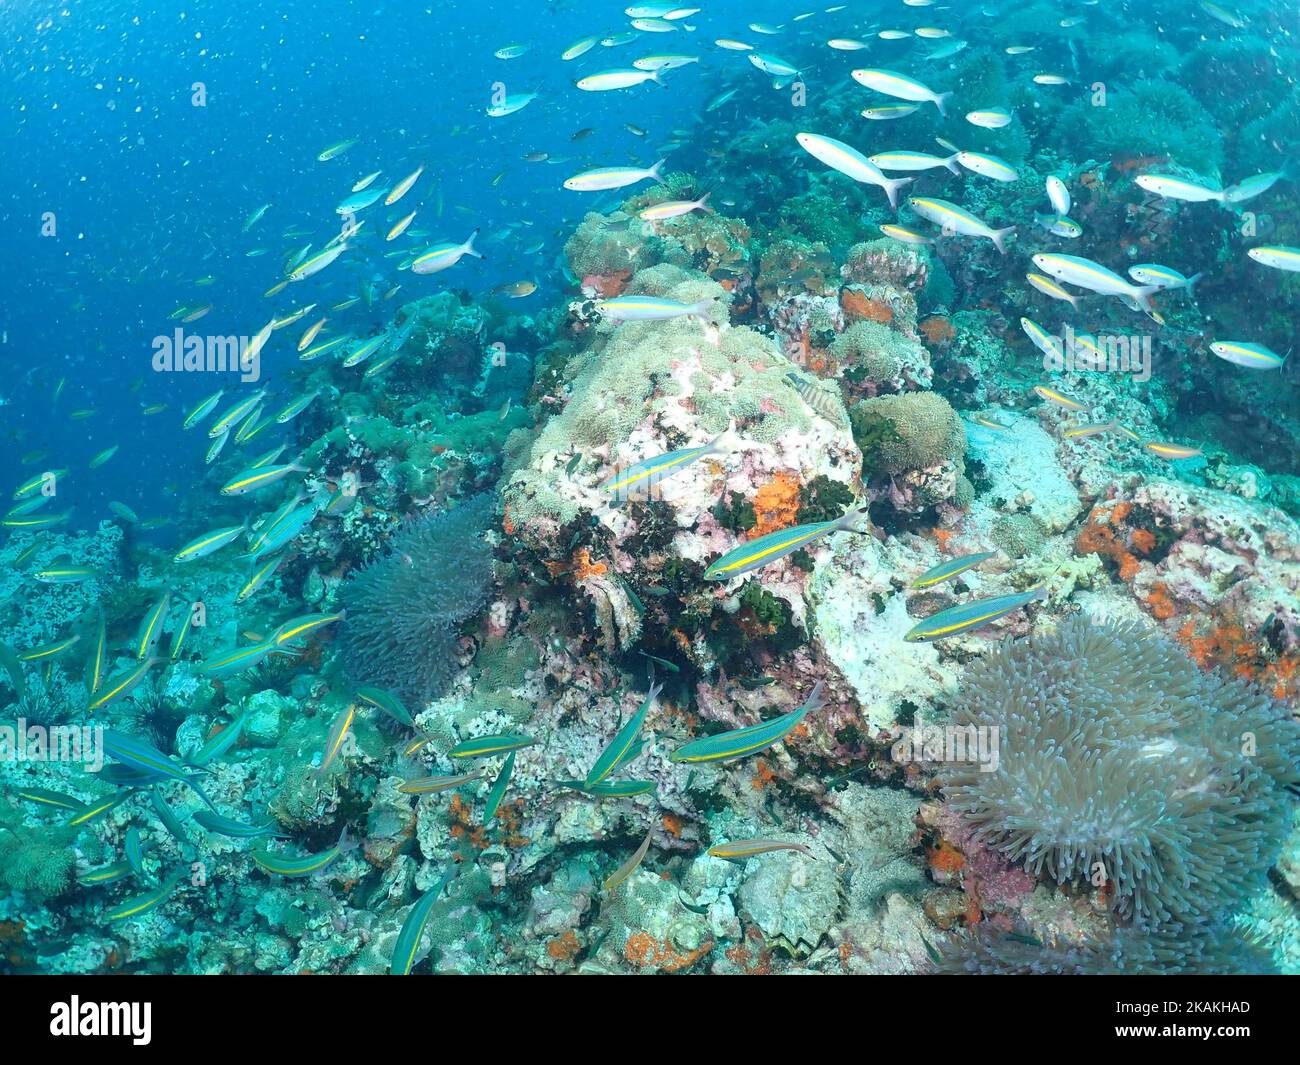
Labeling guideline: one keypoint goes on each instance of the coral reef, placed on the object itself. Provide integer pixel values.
(1047, 616)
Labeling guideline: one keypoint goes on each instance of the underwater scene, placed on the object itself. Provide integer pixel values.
(576, 488)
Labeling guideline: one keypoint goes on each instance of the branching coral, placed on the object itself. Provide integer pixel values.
(1124, 767)
(403, 611)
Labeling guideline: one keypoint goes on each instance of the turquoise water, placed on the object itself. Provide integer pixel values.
(527, 489)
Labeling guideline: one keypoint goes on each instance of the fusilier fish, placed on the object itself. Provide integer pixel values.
(994, 118)
(641, 479)
(890, 111)
(1086, 274)
(630, 866)
(1059, 398)
(207, 543)
(1251, 356)
(611, 177)
(202, 410)
(674, 209)
(1048, 287)
(1249, 188)
(652, 309)
(749, 848)
(1177, 188)
(433, 785)
(1165, 277)
(755, 554)
(958, 619)
(892, 83)
(839, 156)
(291, 866)
(773, 65)
(149, 900)
(1168, 450)
(317, 262)
(335, 150)
(946, 571)
(617, 79)
(616, 752)
(914, 161)
(1277, 256)
(441, 256)
(742, 742)
(484, 746)
(510, 104)
(406, 949)
(953, 219)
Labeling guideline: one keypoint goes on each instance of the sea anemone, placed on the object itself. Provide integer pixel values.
(404, 610)
(1124, 766)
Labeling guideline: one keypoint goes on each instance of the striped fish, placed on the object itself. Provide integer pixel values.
(641, 480)
(142, 904)
(741, 742)
(748, 848)
(485, 746)
(628, 867)
(282, 865)
(945, 571)
(616, 753)
(754, 554)
(406, 949)
(958, 619)
(827, 404)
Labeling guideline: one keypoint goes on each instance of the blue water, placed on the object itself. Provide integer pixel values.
(150, 192)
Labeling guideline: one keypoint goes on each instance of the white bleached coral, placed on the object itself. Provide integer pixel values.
(860, 620)
(645, 388)
(1020, 463)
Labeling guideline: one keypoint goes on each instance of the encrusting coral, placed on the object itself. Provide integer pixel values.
(1203, 949)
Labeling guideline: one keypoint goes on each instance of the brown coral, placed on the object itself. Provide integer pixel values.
(644, 951)
(937, 330)
(857, 305)
(776, 504)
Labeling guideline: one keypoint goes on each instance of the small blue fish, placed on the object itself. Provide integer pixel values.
(138, 756)
(738, 743)
(621, 746)
(498, 789)
(146, 902)
(967, 616)
(755, 554)
(642, 479)
(388, 703)
(134, 851)
(224, 826)
(947, 570)
(406, 950)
